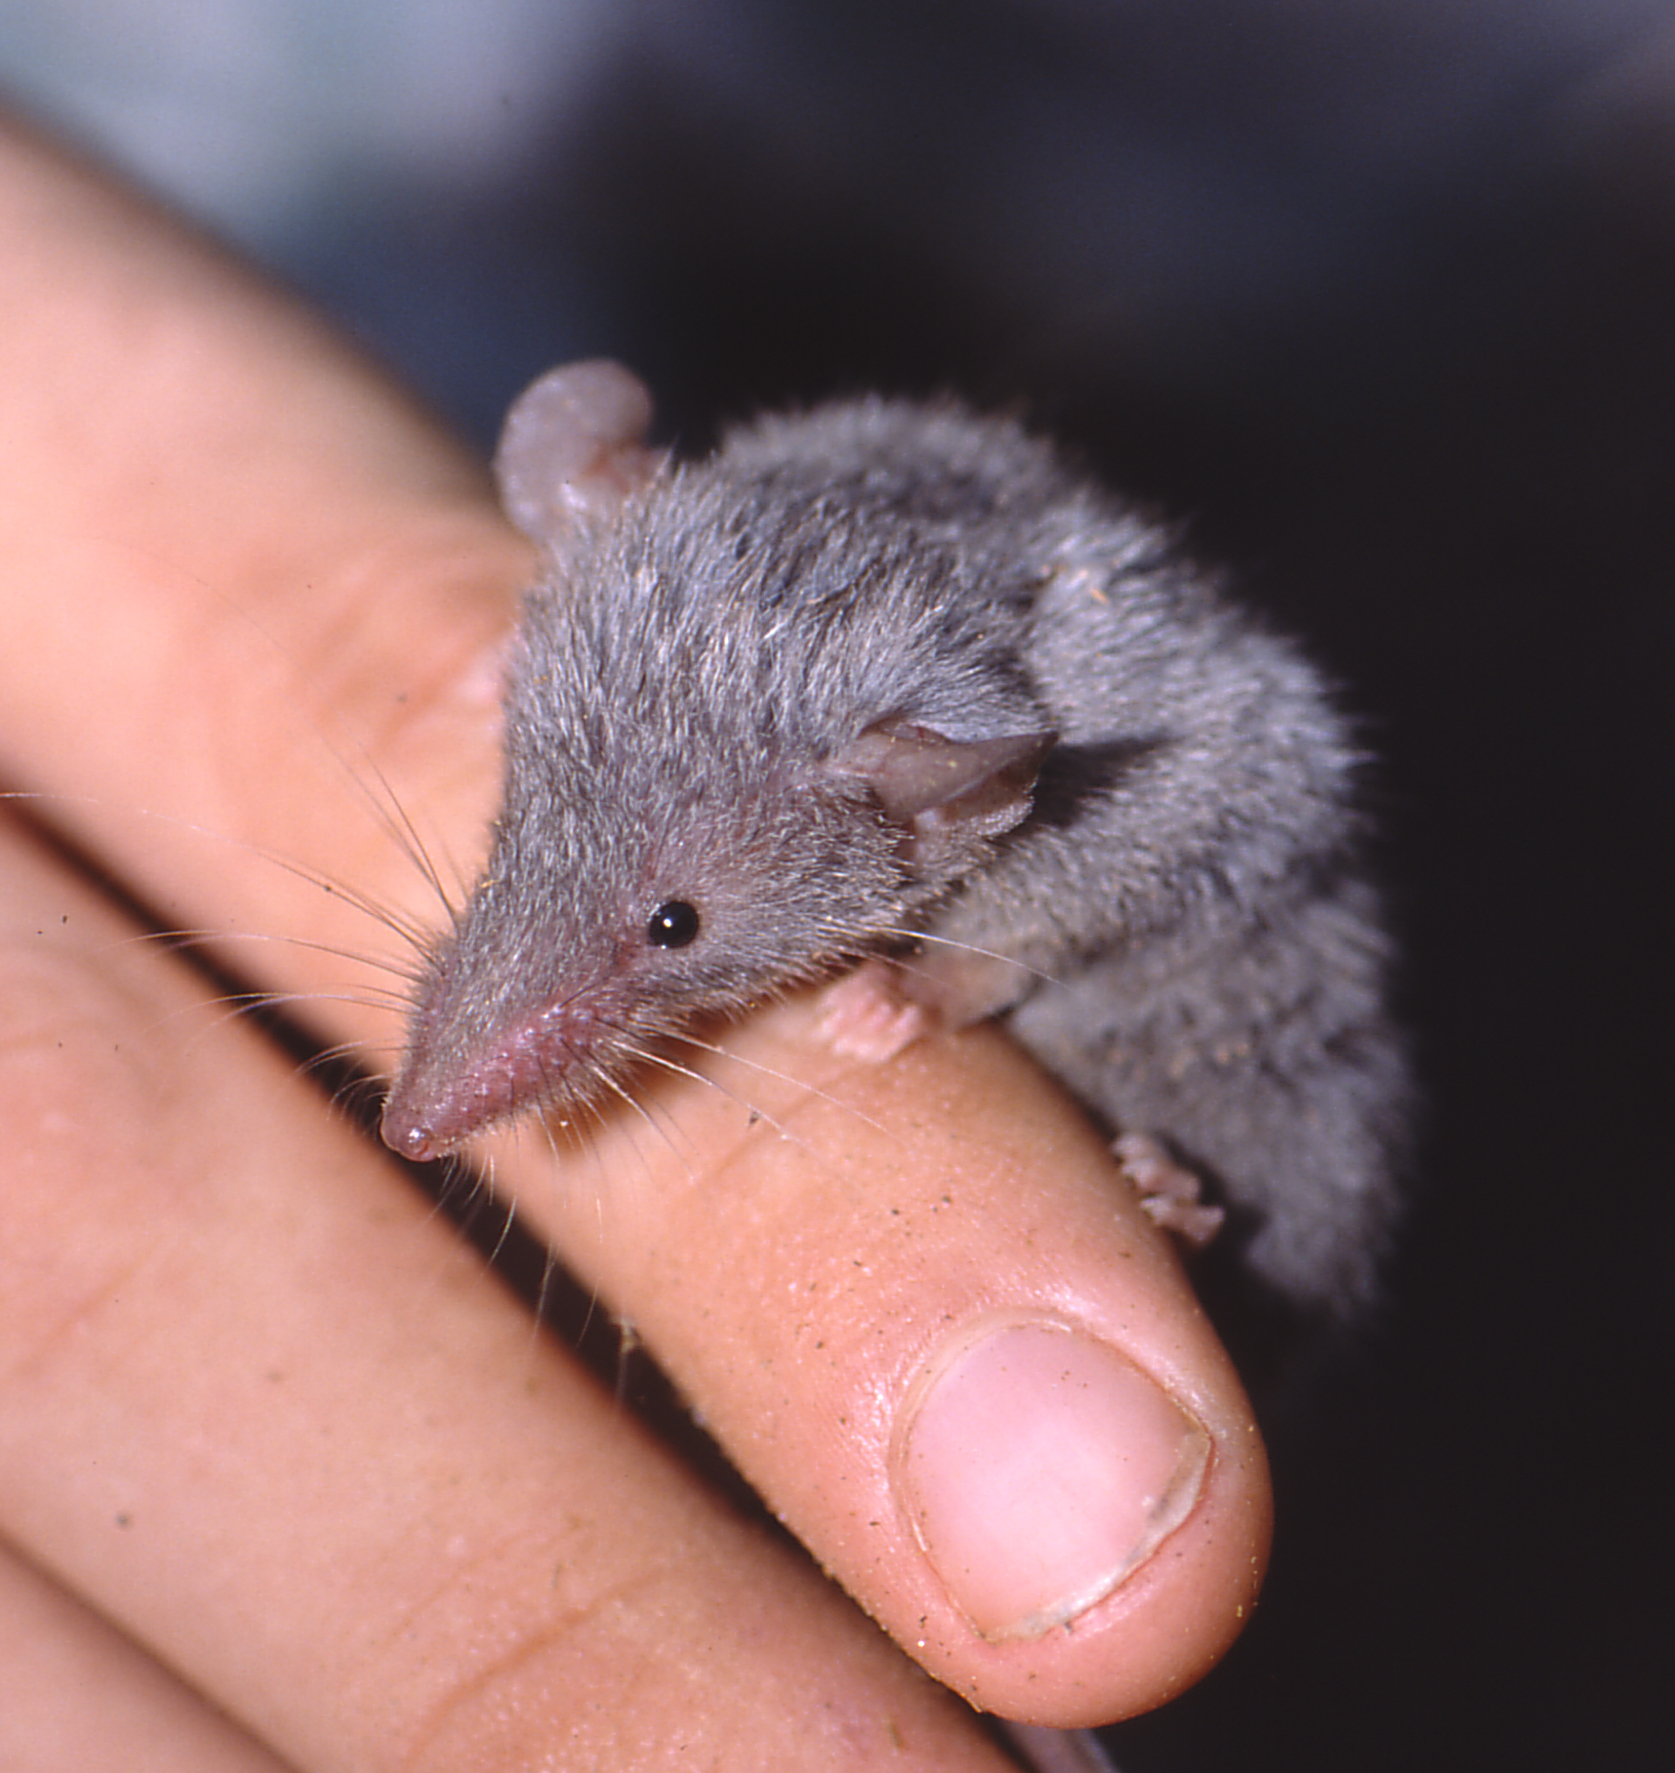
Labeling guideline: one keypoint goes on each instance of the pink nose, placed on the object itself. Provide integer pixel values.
(443, 1097)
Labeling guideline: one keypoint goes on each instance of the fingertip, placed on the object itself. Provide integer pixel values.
(1040, 1468)
(997, 1413)
(1102, 1530)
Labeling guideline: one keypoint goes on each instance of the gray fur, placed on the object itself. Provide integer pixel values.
(698, 681)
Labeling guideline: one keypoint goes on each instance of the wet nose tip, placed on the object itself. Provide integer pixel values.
(407, 1137)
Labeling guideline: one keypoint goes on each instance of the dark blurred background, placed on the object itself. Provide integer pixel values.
(1381, 298)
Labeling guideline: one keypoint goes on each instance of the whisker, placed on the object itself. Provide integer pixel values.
(915, 936)
(497, 1250)
(785, 1077)
(603, 1076)
(409, 931)
(395, 819)
(753, 1109)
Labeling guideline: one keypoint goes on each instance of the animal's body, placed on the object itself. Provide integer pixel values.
(882, 670)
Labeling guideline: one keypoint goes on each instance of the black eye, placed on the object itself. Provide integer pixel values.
(673, 925)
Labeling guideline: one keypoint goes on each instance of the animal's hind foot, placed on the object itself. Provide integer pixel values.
(1169, 1193)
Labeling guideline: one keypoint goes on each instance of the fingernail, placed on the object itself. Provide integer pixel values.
(1040, 1469)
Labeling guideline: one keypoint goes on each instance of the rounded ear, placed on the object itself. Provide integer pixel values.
(940, 789)
(573, 446)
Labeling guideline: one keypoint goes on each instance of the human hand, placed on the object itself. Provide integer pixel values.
(259, 1409)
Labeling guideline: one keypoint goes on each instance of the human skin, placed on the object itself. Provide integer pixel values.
(260, 1410)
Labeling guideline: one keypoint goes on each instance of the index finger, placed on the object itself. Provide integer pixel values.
(911, 1299)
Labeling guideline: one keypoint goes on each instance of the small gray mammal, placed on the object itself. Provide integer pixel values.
(886, 682)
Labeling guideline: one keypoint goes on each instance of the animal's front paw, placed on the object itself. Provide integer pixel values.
(864, 1016)
(1169, 1194)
